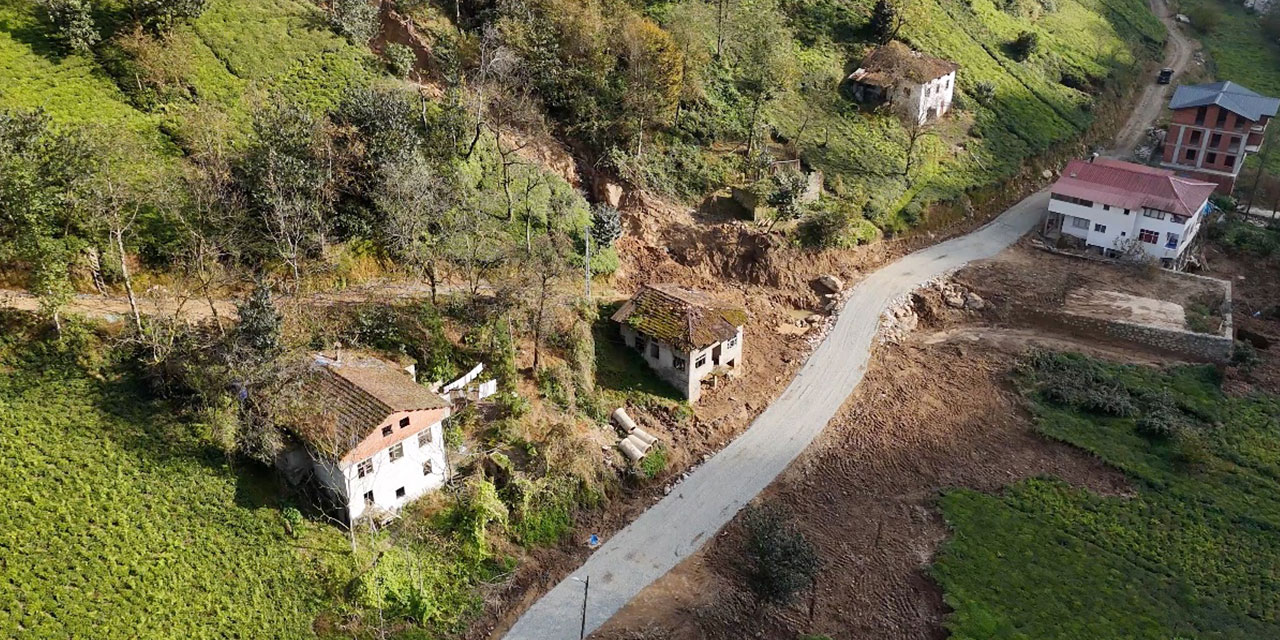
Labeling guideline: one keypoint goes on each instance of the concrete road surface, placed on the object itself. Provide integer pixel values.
(698, 507)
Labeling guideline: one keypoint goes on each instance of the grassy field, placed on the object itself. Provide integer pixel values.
(120, 523)
(1192, 554)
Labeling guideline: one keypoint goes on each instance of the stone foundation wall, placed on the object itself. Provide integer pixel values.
(1196, 346)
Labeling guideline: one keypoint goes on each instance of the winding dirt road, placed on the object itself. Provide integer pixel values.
(1179, 51)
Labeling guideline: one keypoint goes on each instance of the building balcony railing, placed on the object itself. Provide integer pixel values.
(1251, 148)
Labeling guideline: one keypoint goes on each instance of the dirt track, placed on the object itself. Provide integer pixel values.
(1179, 51)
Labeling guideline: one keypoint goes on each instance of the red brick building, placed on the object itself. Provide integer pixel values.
(1214, 127)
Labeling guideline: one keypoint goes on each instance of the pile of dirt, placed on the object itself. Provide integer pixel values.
(931, 414)
(1255, 290)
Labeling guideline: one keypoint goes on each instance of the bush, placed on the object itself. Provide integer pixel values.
(1205, 18)
(72, 21)
(1024, 45)
(835, 226)
(1244, 356)
(780, 561)
(606, 225)
(357, 20)
(162, 15)
(400, 59)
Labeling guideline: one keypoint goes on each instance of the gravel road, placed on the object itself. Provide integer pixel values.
(1179, 49)
(698, 507)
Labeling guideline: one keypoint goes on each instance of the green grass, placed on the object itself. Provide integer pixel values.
(623, 372)
(120, 523)
(1192, 554)
(73, 89)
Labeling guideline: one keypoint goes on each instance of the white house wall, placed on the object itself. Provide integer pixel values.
(1121, 227)
(688, 381)
(935, 94)
(388, 476)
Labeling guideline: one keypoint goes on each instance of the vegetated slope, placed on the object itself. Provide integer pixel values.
(1192, 554)
(1006, 110)
(71, 88)
(120, 523)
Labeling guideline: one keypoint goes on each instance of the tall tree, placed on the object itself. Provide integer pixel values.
(287, 173)
(417, 204)
(654, 76)
(44, 178)
(73, 24)
(763, 57)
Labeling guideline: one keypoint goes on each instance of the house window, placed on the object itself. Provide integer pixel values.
(702, 362)
(424, 438)
(364, 468)
(1126, 212)
(678, 363)
(1222, 118)
(1195, 138)
(1177, 219)
(641, 342)
(1210, 158)
(653, 350)
(1191, 154)
(404, 422)
(400, 492)
(1100, 228)
(368, 497)
(396, 452)
(1229, 161)
(426, 468)
(1171, 240)
(1106, 207)
(1200, 113)
(1152, 213)
(732, 342)
(386, 431)
(1148, 236)
(1215, 140)
(1080, 223)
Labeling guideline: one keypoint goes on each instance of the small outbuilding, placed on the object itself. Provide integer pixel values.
(683, 335)
(919, 85)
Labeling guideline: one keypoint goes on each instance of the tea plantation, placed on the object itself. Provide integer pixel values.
(119, 523)
(1194, 553)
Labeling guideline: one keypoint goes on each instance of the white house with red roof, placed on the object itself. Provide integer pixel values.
(373, 436)
(1116, 207)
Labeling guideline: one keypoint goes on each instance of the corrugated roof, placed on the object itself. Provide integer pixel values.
(681, 317)
(355, 395)
(1228, 95)
(1132, 186)
(896, 61)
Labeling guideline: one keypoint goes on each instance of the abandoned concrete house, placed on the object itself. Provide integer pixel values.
(919, 86)
(685, 336)
(1121, 209)
(373, 437)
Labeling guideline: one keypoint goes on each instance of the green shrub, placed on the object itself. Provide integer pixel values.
(72, 21)
(779, 561)
(292, 520)
(654, 462)
(1026, 44)
(357, 20)
(556, 384)
(400, 59)
(1205, 17)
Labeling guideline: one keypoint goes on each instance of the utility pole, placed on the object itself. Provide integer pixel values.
(586, 268)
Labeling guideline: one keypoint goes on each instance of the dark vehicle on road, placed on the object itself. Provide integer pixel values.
(1166, 74)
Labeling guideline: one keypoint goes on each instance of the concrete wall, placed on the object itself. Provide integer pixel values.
(387, 476)
(933, 95)
(1196, 346)
(661, 356)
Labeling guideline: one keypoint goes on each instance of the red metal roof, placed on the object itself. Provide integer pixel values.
(1132, 186)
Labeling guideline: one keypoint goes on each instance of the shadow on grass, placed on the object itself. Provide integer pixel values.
(619, 368)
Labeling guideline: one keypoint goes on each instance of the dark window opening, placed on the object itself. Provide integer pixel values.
(368, 497)
(397, 452)
(400, 492)
(404, 422)
(386, 431)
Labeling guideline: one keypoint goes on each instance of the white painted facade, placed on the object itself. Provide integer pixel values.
(1109, 228)
(685, 370)
(928, 101)
(421, 468)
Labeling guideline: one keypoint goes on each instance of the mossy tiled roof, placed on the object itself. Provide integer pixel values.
(685, 319)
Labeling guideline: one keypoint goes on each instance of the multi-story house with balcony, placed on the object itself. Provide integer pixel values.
(1120, 209)
(1214, 127)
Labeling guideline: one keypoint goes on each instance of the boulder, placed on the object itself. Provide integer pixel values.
(814, 318)
(1046, 174)
(974, 302)
(608, 191)
(954, 299)
(832, 283)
